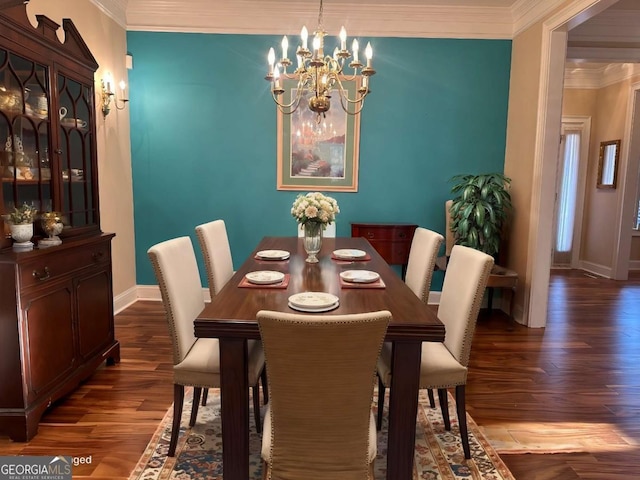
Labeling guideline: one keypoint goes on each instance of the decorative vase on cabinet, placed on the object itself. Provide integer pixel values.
(57, 312)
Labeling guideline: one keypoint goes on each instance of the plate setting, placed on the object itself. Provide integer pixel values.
(349, 253)
(359, 276)
(313, 301)
(264, 277)
(273, 254)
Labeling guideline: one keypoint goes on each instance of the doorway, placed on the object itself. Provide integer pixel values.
(569, 196)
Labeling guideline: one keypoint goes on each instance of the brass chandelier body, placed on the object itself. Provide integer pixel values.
(319, 74)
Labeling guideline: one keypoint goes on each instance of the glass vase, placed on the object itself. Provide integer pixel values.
(312, 240)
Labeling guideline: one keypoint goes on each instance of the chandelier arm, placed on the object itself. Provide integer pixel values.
(345, 107)
(288, 108)
(343, 94)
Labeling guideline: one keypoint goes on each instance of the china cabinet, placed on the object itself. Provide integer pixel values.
(56, 303)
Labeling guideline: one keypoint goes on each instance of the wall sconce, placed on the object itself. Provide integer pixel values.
(107, 95)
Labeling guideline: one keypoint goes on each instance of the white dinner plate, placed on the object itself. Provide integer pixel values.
(349, 253)
(273, 254)
(313, 300)
(264, 277)
(314, 310)
(359, 276)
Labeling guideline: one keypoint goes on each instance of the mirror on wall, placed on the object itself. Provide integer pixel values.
(608, 164)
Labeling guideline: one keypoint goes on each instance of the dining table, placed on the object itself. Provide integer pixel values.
(231, 318)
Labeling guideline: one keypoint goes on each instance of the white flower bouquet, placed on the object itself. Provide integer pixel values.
(315, 207)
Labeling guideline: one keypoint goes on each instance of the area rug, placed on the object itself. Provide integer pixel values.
(438, 453)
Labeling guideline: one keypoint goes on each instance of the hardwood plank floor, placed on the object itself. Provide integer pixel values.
(583, 367)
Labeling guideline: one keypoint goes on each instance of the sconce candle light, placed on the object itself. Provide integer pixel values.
(107, 94)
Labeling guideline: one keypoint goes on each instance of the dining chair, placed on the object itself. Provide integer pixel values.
(216, 250)
(196, 361)
(214, 244)
(420, 265)
(445, 365)
(328, 432)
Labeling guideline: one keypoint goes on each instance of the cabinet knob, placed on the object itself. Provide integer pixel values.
(402, 235)
(42, 276)
(97, 256)
(58, 151)
(370, 235)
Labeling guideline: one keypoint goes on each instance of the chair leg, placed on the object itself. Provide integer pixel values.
(255, 393)
(205, 394)
(197, 391)
(432, 401)
(178, 399)
(265, 386)
(462, 420)
(380, 403)
(444, 407)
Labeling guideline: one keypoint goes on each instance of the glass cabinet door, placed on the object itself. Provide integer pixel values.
(75, 152)
(25, 167)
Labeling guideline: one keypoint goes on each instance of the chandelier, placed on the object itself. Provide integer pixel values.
(318, 75)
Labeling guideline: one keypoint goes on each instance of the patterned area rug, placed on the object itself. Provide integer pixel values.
(199, 452)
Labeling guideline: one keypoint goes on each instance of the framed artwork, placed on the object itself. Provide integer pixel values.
(320, 156)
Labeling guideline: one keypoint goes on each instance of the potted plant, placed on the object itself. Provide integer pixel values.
(21, 224)
(479, 210)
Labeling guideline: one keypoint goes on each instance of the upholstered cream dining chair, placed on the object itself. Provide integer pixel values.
(321, 371)
(444, 365)
(216, 250)
(422, 259)
(214, 244)
(196, 361)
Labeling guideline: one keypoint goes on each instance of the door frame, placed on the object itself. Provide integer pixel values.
(552, 61)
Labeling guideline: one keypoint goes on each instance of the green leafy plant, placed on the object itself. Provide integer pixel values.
(24, 214)
(479, 210)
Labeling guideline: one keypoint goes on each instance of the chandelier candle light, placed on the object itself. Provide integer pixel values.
(318, 74)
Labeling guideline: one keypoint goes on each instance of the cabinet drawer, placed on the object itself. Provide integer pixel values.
(63, 263)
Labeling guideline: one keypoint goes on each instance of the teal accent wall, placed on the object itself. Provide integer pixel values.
(203, 135)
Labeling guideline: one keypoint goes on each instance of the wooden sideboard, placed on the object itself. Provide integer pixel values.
(56, 328)
(391, 240)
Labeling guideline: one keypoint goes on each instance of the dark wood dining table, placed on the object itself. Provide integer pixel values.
(231, 317)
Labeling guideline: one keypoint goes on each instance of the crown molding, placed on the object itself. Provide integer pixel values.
(283, 17)
(527, 12)
(598, 76)
(115, 9)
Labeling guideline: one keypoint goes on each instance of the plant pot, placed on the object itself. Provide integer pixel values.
(22, 233)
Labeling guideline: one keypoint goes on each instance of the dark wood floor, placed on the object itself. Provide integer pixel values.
(583, 367)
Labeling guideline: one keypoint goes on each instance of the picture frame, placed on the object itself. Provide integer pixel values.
(608, 160)
(318, 156)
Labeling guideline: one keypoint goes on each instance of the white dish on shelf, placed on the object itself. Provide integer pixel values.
(349, 253)
(264, 277)
(273, 254)
(359, 276)
(314, 310)
(313, 300)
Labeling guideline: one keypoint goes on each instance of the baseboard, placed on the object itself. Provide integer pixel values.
(634, 265)
(152, 293)
(596, 268)
(122, 301)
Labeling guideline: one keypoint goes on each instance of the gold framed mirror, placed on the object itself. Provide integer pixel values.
(608, 164)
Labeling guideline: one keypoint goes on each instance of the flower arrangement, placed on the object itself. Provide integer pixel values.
(20, 216)
(315, 207)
